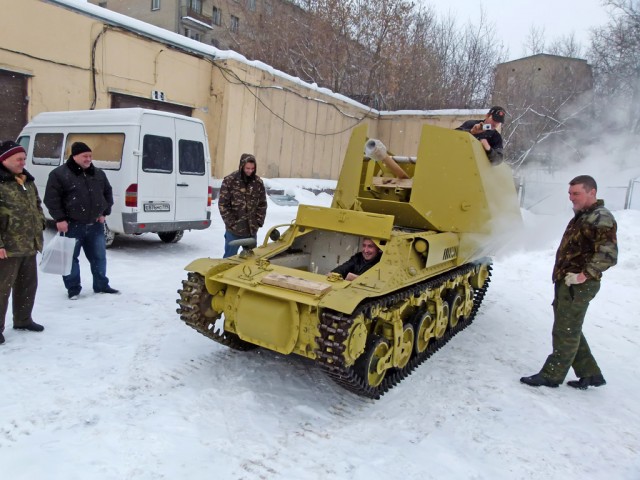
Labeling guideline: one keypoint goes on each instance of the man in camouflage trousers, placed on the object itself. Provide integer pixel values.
(588, 248)
(242, 203)
(21, 226)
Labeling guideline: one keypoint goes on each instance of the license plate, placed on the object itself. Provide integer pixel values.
(157, 207)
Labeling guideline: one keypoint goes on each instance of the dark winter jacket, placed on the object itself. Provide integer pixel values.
(492, 136)
(242, 203)
(589, 244)
(78, 195)
(356, 265)
(21, 217)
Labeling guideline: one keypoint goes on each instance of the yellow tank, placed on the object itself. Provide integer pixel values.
(436, 218)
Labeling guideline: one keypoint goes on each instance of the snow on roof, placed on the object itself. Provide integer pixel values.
(117, 116)
(441, 113)
(175, 39)
(194, 20)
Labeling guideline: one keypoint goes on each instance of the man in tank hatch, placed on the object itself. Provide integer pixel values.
(362, 261)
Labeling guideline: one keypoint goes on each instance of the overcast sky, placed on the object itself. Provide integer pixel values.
(514, 19)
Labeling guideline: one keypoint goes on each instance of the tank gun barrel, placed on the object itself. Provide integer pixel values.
(376, 150)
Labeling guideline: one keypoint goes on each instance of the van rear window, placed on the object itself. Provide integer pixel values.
(47, 148)
(157, 154)
(191, 157)
(106, 148)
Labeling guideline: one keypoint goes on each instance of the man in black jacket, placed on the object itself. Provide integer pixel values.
(360, 262)
(79, 197)
(486, 131)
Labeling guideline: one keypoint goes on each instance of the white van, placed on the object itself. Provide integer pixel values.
(158, 164)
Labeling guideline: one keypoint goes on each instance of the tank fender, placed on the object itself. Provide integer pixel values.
(204, 265)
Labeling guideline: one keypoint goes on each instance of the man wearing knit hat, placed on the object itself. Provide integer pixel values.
(487, 132)
(21, 226)
(79, 197)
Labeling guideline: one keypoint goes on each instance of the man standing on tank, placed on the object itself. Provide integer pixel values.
(486, 131)
(79, 198)
(242, 203)
(588, 248)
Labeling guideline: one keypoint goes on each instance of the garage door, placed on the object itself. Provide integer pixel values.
(128, 101)
(13, 104)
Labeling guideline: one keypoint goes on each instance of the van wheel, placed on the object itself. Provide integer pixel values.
(171, 237)
(109, 236)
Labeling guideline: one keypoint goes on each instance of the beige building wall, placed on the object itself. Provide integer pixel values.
(293, 129)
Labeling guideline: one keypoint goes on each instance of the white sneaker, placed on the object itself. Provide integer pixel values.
(74, 297)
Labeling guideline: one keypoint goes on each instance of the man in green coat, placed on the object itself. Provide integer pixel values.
(242, 203)
(21, 226)
(588, 248)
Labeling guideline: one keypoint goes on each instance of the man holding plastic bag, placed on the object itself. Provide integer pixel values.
(79, 197)
(21, 226)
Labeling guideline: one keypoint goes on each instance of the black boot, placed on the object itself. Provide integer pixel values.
(586, 382)
(1, 339)
(538, 380)
(107, 290)
(32, 327)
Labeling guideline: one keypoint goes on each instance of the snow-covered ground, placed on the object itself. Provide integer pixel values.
(117, 387)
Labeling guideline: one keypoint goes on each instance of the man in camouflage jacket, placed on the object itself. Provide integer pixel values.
(242, 203)
(21, 226)
(588, 248)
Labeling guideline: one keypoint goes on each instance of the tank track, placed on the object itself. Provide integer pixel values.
(334, 328)
(193, 302)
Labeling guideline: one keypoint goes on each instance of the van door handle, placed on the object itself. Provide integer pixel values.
(183, 184)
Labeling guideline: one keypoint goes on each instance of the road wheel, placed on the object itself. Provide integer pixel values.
(456, 308)
(369, 365)
(424, 327)
(109, 236)
(442, 321)
(171, 237)
(406, 345)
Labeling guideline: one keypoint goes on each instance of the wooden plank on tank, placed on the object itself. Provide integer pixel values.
(295, 283)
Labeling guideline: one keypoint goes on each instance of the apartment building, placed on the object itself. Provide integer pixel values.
(221, 23)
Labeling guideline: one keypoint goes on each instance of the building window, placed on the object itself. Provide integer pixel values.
(235, 24)
(216, 18)
(196, 6)
(251, 5)
(192, 34)
(155, 5)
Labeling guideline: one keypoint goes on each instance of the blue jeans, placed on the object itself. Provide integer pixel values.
(230, 251)
(91, 239)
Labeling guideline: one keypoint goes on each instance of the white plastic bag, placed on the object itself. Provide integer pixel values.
(57, 255)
